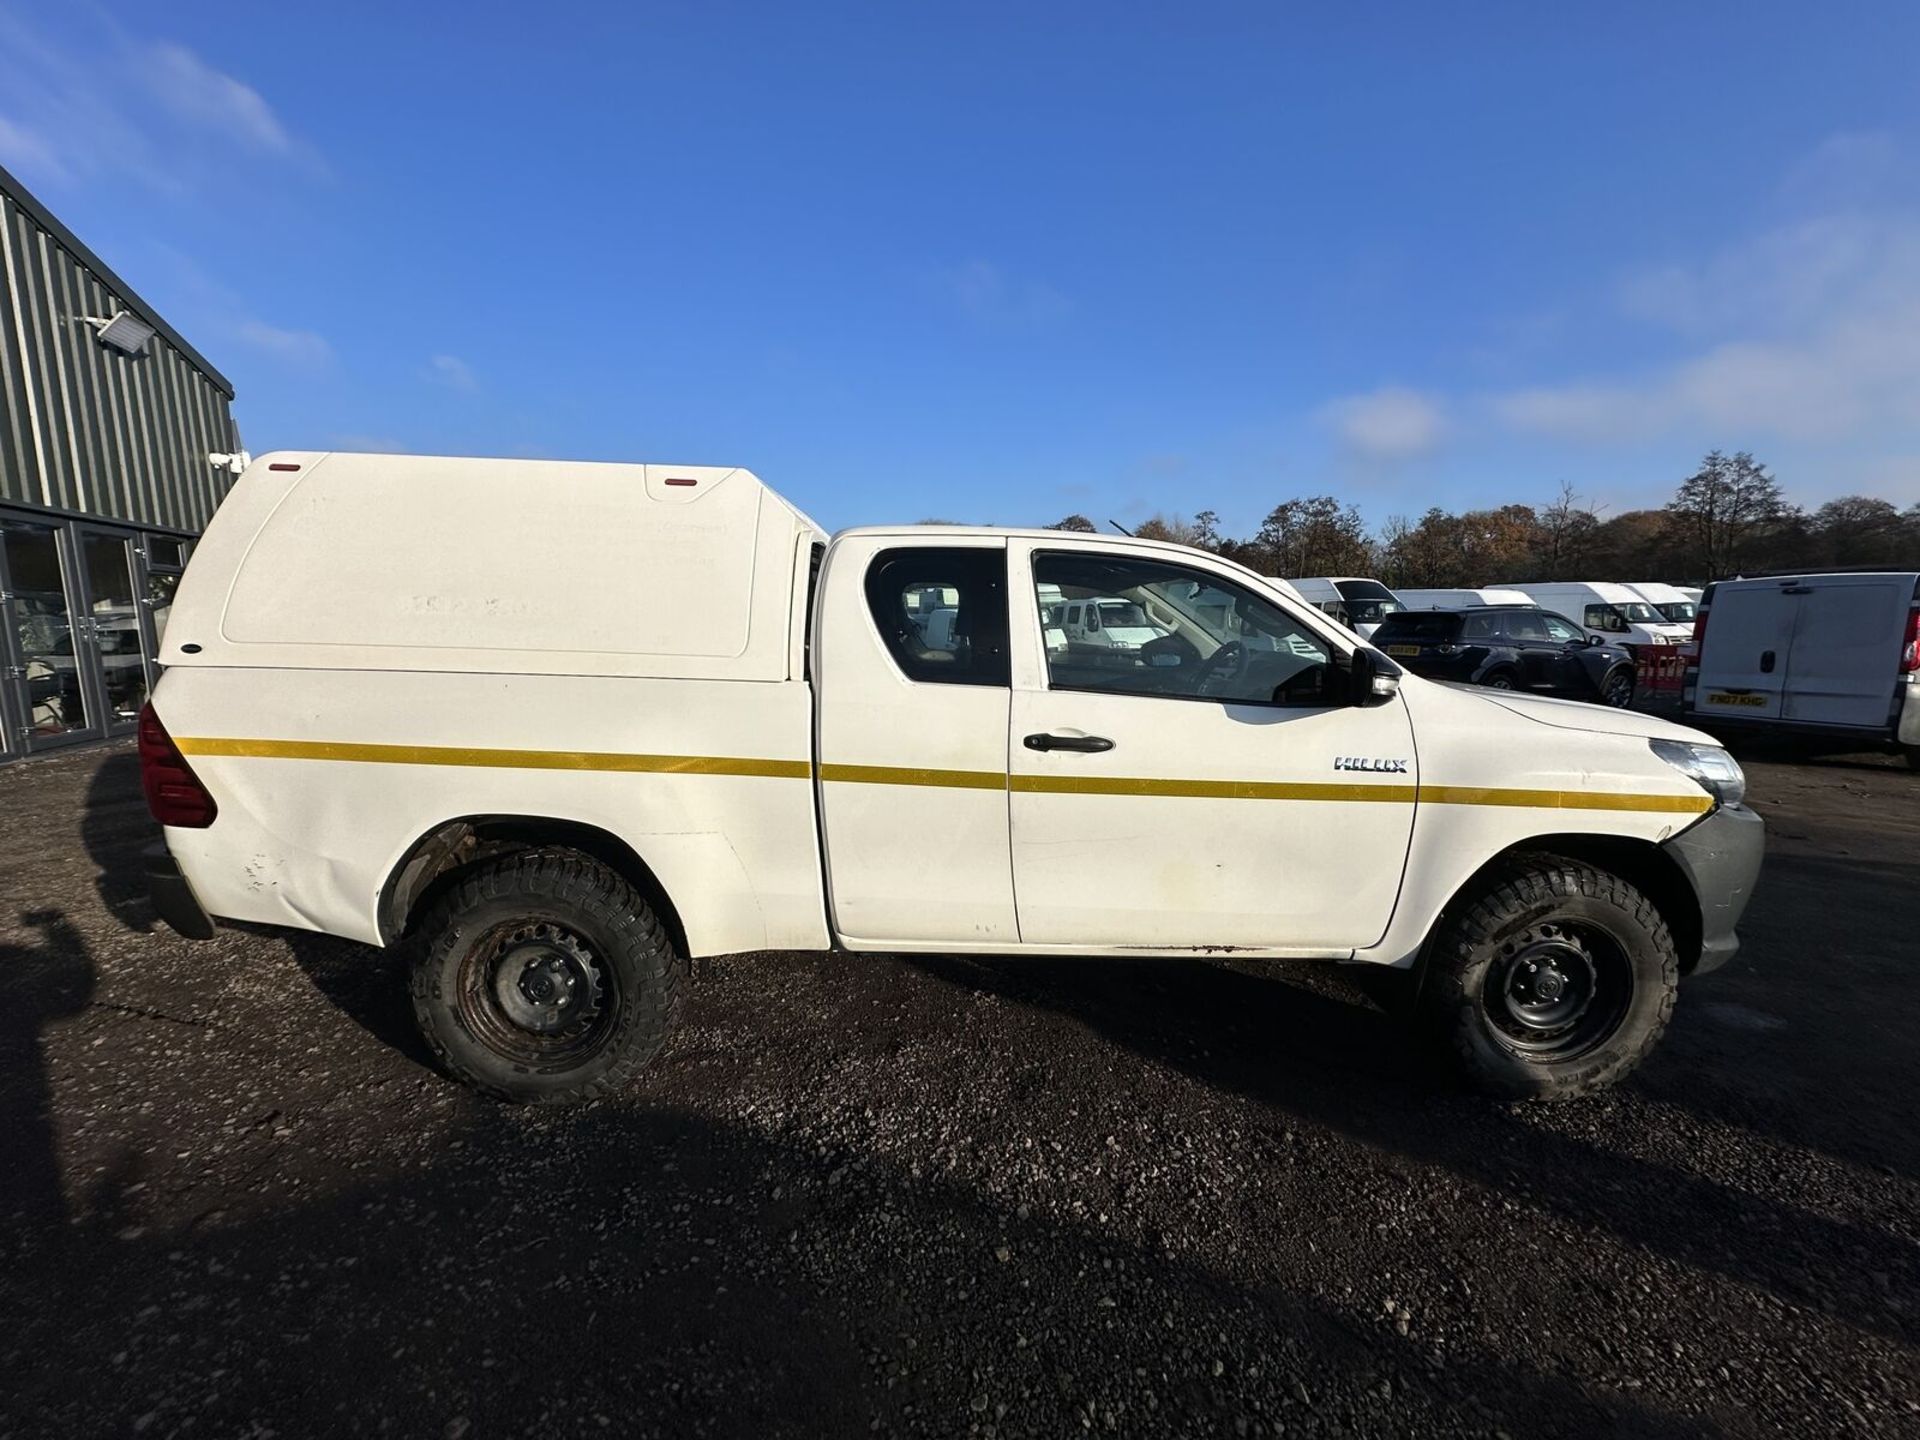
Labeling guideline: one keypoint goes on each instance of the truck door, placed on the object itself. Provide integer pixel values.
(1205, 787)
(1845, 658)
(911, 699)
(1743, 664)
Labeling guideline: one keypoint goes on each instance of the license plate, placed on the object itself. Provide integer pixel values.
(1751, 701)
(1403, 649)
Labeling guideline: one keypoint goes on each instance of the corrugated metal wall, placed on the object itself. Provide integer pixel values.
(86, 428)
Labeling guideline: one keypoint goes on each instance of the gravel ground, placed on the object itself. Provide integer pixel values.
(950, 1197)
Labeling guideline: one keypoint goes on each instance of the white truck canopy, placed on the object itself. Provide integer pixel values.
(408, 562)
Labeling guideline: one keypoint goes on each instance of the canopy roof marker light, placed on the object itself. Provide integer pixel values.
(125, 331)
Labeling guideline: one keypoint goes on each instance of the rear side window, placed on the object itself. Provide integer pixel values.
(942, 613)
(1429, 625)
(1477, 627)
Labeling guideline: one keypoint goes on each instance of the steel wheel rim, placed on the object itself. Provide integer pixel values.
(1557, 991)
(536, 993)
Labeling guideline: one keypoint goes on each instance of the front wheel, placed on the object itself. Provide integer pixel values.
(544, 978)
(1617, 689)
(1556, 979)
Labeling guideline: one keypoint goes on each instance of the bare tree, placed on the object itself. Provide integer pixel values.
(1724, 507)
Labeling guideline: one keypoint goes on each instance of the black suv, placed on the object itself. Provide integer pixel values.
(1509, 647)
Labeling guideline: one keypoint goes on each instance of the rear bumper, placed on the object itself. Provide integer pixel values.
(173, 897)
(1721, 857)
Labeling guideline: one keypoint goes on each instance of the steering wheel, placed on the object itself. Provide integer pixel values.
(1229, 662)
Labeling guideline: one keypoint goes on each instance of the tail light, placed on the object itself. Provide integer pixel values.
(1910, 656)
(174, 793)
(1699, 630)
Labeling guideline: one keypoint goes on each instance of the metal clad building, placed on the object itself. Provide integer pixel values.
(107, 420)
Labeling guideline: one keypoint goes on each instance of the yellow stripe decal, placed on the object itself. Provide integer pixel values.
(904, 775)
(1209, 789)
(496, 759)
(1564, 799)
(947, 779)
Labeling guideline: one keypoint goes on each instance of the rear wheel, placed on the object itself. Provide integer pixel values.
(1499, 680)
(1556, 979)
(1617, 688)
(544, 978)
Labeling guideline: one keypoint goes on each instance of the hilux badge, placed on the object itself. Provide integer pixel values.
(1355, 762)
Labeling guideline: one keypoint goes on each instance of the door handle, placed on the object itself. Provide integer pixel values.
(1085, 744)
(1766, 662)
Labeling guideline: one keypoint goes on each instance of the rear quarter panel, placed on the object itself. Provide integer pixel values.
(326, 779)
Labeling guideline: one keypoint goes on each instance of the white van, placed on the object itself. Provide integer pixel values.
(550, 729)
(1675, 605)
(1607, 611)
(1461, 599)
(1356, 602)
(1109, 622)
(1831, 656)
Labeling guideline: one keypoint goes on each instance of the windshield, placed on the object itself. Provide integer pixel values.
(1122, 613)
(1371, 612)
(1677, 612)
(1637, 612)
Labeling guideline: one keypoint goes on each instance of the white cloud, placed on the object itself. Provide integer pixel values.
(453, 372)
(989, 297)
(200, 95)
(302, 349)
(1809, 330)
(28, 152)
(105, 103)
(1389, 424)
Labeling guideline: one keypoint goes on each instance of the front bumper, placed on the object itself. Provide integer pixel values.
(1721, 857)
(173, 897)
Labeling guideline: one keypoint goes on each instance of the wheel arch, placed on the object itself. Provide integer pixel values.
(439, 856)
(1641, 863)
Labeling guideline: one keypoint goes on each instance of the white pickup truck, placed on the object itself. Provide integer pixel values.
(551, 729)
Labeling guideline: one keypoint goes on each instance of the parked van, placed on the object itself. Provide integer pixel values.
(1607, 612)
(1675, 605)
(1460, 599)
(551, 729)
(1357, 603)
(1830, 656)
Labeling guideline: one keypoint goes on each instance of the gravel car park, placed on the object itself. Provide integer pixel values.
(950, 1196)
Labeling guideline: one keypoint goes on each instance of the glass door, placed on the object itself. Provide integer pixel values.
(44, 669)
(113, 626)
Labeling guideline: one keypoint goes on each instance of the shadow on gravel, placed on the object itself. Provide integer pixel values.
(660, 1274)
(115, 827)
(41, 983)
(1351, 1068)
(367, 985)
(1805, 1040)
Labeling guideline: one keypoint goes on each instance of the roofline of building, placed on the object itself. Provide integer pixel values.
(47, 221)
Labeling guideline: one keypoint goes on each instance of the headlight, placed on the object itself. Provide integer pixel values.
(1708, 766)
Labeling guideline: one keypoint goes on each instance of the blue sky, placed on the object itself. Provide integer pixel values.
(1000, 262)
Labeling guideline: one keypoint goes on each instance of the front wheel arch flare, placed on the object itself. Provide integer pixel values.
(1641, 863)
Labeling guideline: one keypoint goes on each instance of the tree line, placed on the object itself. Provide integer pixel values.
(1727, 518)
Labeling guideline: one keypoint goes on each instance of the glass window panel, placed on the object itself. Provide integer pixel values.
(116, 624)
(43, 629)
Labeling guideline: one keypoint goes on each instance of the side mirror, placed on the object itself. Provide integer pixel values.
(1373, 681)
(1596, 640)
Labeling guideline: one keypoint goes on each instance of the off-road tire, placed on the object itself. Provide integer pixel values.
(638, 971)
(1529, 897)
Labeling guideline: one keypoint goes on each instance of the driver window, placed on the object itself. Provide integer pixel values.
(1178, 634)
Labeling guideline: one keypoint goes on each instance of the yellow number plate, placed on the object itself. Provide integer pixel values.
(1403, 649)
(1753, 701)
